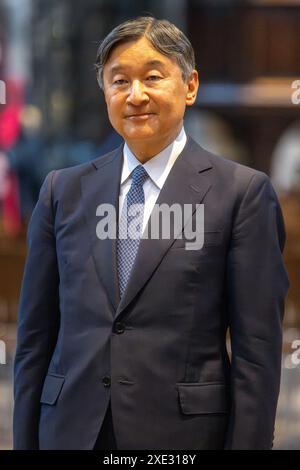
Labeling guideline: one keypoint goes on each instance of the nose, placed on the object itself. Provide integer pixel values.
(137, 93)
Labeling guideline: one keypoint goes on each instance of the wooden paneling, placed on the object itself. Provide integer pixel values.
(238, 43)
(12, 258)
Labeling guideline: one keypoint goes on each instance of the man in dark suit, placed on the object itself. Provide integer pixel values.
(122, 342)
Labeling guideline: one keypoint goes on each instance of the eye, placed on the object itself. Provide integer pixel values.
(121, 81)
(154, 78)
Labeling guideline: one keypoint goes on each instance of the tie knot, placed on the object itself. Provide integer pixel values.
(139, 175)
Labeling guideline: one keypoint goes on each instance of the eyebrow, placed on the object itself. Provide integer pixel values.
(153, 63)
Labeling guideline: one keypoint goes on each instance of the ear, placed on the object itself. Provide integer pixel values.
(104, 85)
(192, 88)
(104, 94)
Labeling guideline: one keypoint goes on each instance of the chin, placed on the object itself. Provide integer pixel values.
(139, 134)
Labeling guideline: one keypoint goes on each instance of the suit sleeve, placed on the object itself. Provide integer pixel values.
(256, 286)
(38, 320)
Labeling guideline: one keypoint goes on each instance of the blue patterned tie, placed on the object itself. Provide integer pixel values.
(131, 226)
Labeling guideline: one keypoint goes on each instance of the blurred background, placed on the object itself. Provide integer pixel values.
(53, 115)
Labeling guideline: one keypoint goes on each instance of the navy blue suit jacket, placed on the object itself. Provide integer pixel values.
(160, 354)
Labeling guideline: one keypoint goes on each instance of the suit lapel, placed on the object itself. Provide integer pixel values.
(188, 182)
(101, 186)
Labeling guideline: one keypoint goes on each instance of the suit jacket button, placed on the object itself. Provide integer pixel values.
(106, 381)
(119, 328)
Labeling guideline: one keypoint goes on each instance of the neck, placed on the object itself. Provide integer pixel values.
(146, 150)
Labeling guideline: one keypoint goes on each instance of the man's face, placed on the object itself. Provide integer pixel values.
(145, 93)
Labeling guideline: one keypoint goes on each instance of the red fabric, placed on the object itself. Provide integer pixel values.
(9, 126)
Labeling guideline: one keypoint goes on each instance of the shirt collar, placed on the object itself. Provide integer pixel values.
(157, 167)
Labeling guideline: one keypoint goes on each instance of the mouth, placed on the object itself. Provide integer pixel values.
(142, 116)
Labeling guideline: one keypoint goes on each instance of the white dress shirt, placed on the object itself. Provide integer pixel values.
(158, 168)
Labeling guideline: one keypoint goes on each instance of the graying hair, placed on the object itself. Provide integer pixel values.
(164, 36)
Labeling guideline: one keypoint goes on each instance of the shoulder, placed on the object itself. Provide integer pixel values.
(78, 171)
(64, 179)
(228, 174)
